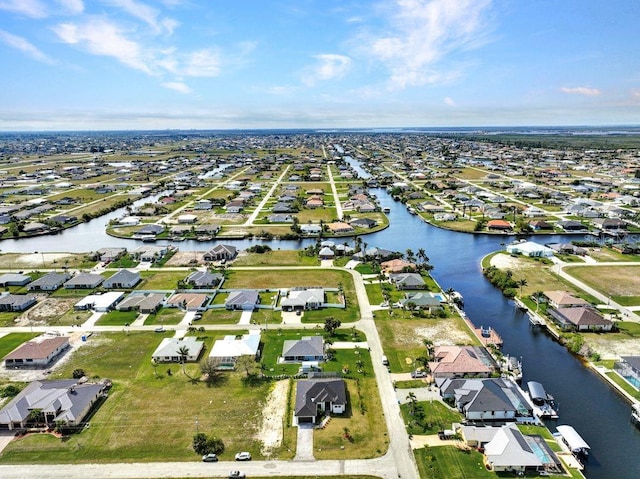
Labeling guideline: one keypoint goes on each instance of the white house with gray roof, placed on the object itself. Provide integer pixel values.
(84, 281)
(303, 299)
(307, 348)
(14, 279)
(49, 282)
(123, 279)
(169, 350)
(16, 302)
(316, 397)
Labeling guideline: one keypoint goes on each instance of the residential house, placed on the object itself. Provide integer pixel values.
(307, 348)
(462, 361)
(326, 253)
(49, 282)
(225, 352)
(366, 223)
(318, 397)
(609, 224)
(149, 254)
(245, 300)
(169, 350)
(16, 302)
(310, 229)
(145, 303)
(150, 230)
(490, 399)
(499, 225)
(570, 225)
(340, 227)
(221, 252)
(562, 299)
(123, 279)
(100, 302)
(204, 279)
(629, 368)
(303, 299)
(14, 279)
(407, 280)
(421, 300)
(277, 218)
(107, 255)
(37, 353)
(84, 281)
(580, 319)
(188, 301)
(66, 401)
(530, 249)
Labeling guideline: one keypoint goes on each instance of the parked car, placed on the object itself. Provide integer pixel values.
(210, 458)
(237, 475)
(159, 329)
(197, 316)
(243, 456)
(418, 374)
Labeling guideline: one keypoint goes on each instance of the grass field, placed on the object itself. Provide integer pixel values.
(621, 283)
(449, 462)
(437, 416)
(161, 280)
(147, 418)
(276, 258)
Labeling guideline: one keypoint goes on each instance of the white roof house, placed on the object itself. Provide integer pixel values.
(227, 351)
(100, 302)
(168, 350)
(529, 248)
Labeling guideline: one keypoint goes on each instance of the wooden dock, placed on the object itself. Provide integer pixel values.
(487, 335)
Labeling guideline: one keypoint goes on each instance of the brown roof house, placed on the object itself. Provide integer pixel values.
(37, 353)
(562, 299)
(580, 319)
(462, 361)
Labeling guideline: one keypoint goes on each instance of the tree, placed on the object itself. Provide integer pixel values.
(331, 324)
(413, 401)
(428, 344)
(199, 443)
(521, 282)
(247, 363)
(183, 352)
(78, 373)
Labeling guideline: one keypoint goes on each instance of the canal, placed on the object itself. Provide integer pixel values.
(596, 411)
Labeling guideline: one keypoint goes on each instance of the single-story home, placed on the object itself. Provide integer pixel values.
(100, 302)
(303, 299)
(530, 248)
(421, 300)
(462, 361)
(169, 350)
(204, 279)
(37, 353)
(317, 397)
(580, 319)
(307, 348)
(84, 281)
(123, 279)
(14, 279)
(221, 252)
(148, 254)
(366, 223)
(146, 303)
(65, 400)
(188, 301)
(563, 299)
(225, 352)
(16, 302)
(407, 280)
(245, 300)
(499, 225)
(108, 255)
(49, 282)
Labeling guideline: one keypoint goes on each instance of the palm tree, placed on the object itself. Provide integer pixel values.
(154, 363)
(412, 402)
(428, 344)
(521, 282)
(183, 352)
(410, 255)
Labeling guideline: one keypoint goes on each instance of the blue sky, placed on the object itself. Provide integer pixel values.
(155, 64)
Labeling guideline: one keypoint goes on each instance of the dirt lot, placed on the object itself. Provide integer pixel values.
(505, 261)
(186, 258)
(272, 418)
(46, 310)
(609, 348)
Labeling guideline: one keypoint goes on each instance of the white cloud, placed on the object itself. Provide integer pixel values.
(177, 86)
(147, 14)
(25, 46)
(74, 7)
(424, 34)
(328, 67)
(449, 101)
(581, 90)
(201, 63)
(30, 8)
(100, 37)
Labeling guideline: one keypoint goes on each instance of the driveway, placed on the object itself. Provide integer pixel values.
(245, 318)
(5, 438)
(304, 449)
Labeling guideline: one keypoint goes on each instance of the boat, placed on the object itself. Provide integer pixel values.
(412, 210)
(386, 210)
(457, 298)
(570, 439)
(519, 304)
(543, 402)
(511, 367)
(635, 414)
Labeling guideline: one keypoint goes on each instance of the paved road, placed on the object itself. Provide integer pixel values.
(256, 212)
(336, 199)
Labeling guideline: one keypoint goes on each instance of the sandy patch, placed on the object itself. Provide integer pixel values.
(442, 334)
(186, 258)
(505, 261)
(273, 418)
(38, 259)
(47, 310)
(612, 349)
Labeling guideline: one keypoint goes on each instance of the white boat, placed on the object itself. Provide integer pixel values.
(386, 210)
(573, 441)
(543, 402)
(635, 414)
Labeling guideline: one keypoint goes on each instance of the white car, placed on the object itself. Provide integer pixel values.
(236, 475)
(243, 456)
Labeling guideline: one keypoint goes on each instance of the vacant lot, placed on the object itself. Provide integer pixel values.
(620, 282)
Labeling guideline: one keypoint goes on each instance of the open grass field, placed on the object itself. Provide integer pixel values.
(608, 255)
(147, 418)
(161, 280)
(622, 283)
(117, 318)
(276, 258)
(165, 316)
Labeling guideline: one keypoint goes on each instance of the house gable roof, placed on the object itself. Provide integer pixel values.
(305, 346)
(311, 392)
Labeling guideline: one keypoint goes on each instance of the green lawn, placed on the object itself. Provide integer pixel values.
(161, 280)
(437, 416)
(449, 462)
(277, 258)
(12, 340)
(117, 318)
(7, 318)
(147, 418)
(165, 316)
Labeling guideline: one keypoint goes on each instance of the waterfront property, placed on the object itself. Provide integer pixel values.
(462, 361)
(580, 319)
(629, 368)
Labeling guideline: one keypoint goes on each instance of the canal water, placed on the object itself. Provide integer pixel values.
(597, 412)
